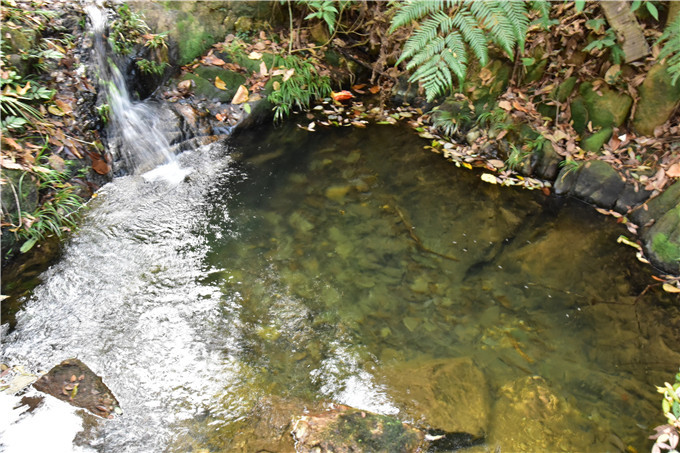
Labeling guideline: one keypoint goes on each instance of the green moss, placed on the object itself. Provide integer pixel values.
(665, 248)
(594, 142)
(606, 107)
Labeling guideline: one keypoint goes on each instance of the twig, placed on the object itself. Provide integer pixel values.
(417, 240)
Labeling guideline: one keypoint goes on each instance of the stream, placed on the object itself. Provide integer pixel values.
(239, 286)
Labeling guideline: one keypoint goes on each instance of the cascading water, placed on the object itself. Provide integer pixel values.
(137, 126)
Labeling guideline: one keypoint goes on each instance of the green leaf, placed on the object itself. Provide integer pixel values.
(580, 5)
(28, 245)
(246, 107)
(652, 10)
(666, 406)
(528, 61)
(635, 5)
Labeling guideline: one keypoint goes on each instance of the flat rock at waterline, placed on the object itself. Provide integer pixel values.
(345, 429)
(72, 381)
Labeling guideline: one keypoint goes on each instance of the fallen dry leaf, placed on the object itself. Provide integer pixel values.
(673, 171)
(241, 95)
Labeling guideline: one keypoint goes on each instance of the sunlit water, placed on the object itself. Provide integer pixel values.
(346, 266)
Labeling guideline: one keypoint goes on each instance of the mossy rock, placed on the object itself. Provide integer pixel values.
(564, 89)
(579, 115)
(657, 206)
(536, 71)
(658, 100)
(205, 82)
(662, 241)
(607, 110)
(594, 142)
(193, 27)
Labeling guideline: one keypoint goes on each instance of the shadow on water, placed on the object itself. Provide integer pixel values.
(351, 266)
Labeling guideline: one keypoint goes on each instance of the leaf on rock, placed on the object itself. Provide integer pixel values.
(213, 60)
(670, 289)
(254, 55)
(263, 69)
(54, 110)
(241, 95)
(219, 83)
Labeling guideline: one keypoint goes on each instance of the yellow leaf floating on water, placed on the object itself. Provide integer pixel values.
(488, 177)
(241, 95)
(622, 239)
(219, 83)
(670, 288)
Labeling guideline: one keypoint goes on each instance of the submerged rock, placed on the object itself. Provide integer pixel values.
(449, 394)
(72, 381)
(345, 429)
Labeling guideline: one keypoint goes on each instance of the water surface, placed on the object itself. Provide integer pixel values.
(350, 266)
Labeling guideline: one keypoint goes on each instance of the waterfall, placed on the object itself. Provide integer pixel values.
(136, 127)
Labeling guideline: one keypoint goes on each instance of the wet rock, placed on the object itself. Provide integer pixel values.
(598, 183)
(448, 394)
(662, 241)
(658, 100)
(546, 161)
(204, 80)
(657, 206)
(344, 429)
(530, 416)
(72, 381)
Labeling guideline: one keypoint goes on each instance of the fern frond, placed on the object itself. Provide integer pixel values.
(671, 49)
(472, 34)
(519, 20)
(543, 9)
(417, 9)
(492, 18)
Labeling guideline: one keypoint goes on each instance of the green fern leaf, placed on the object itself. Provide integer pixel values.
(473, 35)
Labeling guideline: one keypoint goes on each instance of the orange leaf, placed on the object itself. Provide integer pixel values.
(374, 89)
(341, 95)
(212, 60)
(505, 105)
(11, 142)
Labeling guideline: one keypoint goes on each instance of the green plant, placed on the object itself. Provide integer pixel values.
(516, 157)
(449, 122)
(667, 436)
(651, 8)
(104, 112)
(608, 41)
(325, 11)
(495, 120)
(16, 95)
(151, 67)
(671, 48)
(127, 30)
(58, 212)
(299, 86)
(437, 49)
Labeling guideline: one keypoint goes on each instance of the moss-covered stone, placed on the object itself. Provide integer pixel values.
(195, 26)
(594, 142)
(579, 115)
(606, 107)
(536, 71)
(658, 99)
(657, 206)
(204, 80)
(564, 89)
(662, 241)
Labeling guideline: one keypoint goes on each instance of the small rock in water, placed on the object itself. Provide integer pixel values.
(72, 381)
(345, 429)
